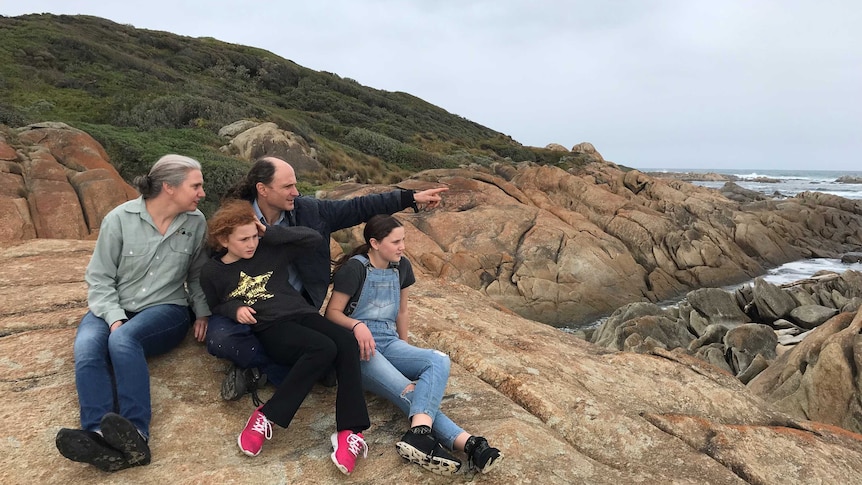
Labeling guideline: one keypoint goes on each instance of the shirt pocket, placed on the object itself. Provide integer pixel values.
(178, 256)
(134, 260)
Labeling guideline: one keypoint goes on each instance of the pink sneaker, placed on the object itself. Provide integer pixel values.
(346, 447)
(256, 430)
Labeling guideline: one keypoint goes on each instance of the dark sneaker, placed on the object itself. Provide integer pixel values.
(237, 382)
(427, 452)
(121, 434)
(481, 455)
(346, 447)
(234, 385)
(89, 447)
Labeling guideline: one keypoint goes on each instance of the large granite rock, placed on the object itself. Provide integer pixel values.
(570, 247)
(249, 141)
(59, 183)
(562, 410)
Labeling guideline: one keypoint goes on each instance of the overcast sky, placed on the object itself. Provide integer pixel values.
(743, 84)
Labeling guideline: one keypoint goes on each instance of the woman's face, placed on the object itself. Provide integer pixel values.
(190, 192)
(391, 247)
(242, 243)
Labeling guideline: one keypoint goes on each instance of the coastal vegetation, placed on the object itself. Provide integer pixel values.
(144, 93)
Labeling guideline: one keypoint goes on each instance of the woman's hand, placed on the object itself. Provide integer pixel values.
(365, 340)
(116, 325)
(245, 315)
(200, 326)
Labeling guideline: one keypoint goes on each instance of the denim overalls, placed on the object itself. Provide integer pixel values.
(396, 363)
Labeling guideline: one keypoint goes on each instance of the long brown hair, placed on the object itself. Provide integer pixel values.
(378, 227)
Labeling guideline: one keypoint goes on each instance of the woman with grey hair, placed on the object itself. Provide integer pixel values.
(143, 287)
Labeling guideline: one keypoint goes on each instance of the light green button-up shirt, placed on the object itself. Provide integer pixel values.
(135, 267)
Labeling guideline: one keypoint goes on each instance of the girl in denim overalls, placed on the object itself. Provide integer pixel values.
(370, 297)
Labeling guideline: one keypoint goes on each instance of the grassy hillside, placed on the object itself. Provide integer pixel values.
(143, 93)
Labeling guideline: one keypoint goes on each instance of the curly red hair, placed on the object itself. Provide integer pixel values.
(232, 214)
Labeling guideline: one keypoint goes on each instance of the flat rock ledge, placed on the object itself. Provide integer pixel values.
(562, 410)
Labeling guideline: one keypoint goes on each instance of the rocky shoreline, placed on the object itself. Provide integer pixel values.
(773, 338)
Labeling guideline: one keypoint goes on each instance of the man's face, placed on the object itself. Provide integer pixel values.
(279, 194)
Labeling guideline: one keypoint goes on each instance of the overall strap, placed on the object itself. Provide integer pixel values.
(362, 259)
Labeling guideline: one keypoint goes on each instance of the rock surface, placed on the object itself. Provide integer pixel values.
(810, 374)
(562, 410)
(570, 247)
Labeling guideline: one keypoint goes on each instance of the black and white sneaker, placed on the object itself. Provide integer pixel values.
(481, 455)
(89, 447)
(423, 449)
(122, 435)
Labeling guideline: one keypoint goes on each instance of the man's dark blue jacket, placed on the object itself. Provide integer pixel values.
(327, 216)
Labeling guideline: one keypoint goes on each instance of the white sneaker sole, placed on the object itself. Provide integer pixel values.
(434, 464)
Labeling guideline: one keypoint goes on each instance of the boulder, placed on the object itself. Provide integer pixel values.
(587, 149)
(817, 379)
(58, 184)
(235, 128)
(811, 316)
(268, 139)
(745, 342)
(639, 327)
(556, 147)
(717, 306)
(772, 302)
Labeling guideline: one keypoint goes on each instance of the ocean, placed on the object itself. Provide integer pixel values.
(791, 182)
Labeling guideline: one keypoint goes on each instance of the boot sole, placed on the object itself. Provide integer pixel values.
(433, 464)
(124, 436)
(78, 445)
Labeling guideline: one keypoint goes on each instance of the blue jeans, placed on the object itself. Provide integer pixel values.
(98, 352)
(227, 339)
(395, 365)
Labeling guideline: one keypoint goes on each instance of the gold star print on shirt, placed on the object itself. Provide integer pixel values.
(251, 289)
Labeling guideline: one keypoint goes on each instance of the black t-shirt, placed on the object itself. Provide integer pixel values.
(351, 277)
(261, 282)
